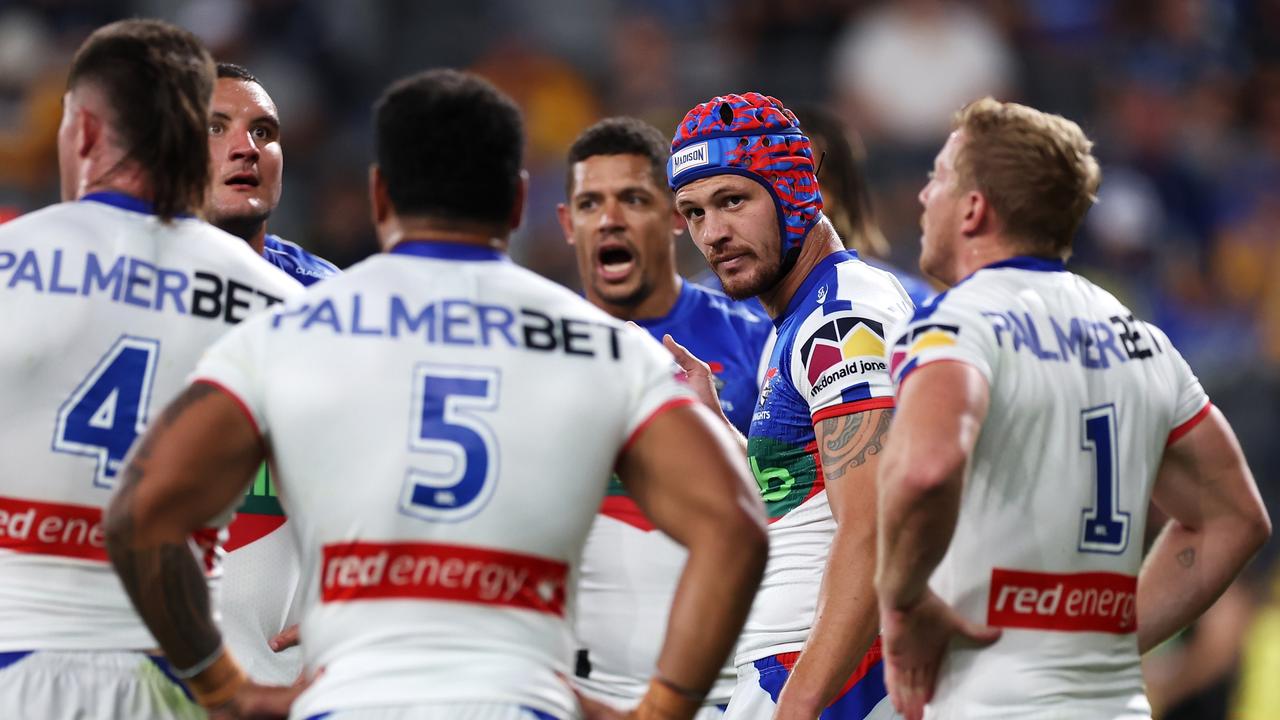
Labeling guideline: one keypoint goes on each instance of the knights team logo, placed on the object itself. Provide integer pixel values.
(844, 346)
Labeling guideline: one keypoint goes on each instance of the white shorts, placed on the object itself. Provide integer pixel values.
(443, 711)
(707, 712)
(760, 683)
(81, 685)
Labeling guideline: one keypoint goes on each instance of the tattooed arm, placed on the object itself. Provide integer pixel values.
(190, 465)
(845, 623)
(1217, 522)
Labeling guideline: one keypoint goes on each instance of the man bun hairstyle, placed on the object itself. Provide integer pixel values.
(449, 146)
(1036, 169)
(158, 82)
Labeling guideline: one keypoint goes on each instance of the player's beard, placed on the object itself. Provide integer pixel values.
(242, 226)
(760, 279)
(639, 294)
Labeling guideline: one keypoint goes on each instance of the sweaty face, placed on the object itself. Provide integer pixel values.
(939, 223)
(621, 224)
(734, 222)
(244, 147)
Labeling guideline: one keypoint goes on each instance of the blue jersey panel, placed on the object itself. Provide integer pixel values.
(727, 335)
(300, 264)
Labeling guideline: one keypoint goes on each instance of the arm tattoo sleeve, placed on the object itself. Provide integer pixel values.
(849, 440)
(164, 580)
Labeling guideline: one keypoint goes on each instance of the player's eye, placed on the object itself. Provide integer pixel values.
(262, 133)
(692, 213)
(215, 128)
(636, 199)
(733, 201)
(586, 204)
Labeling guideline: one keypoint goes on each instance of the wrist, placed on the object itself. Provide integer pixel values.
(214, 685)
(665, 700)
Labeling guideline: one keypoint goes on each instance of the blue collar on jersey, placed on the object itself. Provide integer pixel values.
(126, 202)
(444, 250)
(811, 281)
(1029, 262)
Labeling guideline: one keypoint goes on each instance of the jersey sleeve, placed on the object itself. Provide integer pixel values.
(655, 387)
(836, 361)
(944, 329)
(1191, 403)
(235, 363)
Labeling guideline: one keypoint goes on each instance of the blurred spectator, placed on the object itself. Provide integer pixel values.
(906, 67)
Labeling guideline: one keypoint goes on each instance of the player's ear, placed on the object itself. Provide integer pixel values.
(977, 214)
(379, 201)
(566, 222)
(89, 131)
(517, 207)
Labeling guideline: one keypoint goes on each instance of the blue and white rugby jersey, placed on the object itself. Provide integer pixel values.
(1084, 398)
(303, 266)
(260, 594)
(106, 310)
(828, 361)
(443, 424)
(629, 569)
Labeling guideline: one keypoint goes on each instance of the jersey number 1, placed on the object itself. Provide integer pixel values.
(445, 425)
(1103, 527)
(108, 411)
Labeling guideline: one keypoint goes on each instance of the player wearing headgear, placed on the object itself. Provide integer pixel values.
(108, 300)
(1037, 418)
(743, 175)
(260, 594)
(443, 424)
(621, 220)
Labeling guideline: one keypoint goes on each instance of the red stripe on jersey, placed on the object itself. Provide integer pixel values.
(853, 408)
(45, 528)
(873, 656)
(453, 573)
(624, 509)
(206, 544)
(1075, 602)
(249, 527)
(1176, 434)
(635, 434)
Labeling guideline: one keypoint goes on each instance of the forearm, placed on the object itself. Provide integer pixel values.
(917, 520)
(166, 585)
(710, 606)
(1185, 573)
(844, 627)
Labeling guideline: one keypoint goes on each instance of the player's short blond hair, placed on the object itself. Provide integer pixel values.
(1036, 170)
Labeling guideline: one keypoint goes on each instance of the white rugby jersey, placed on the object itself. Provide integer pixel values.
(443, 423)
(828, 361)
(1084, 399)
(106, 310)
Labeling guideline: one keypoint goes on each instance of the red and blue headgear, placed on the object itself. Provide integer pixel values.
(754, 136)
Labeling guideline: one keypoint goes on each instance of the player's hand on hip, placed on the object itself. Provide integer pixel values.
(914, 643)
(596, 710)
(697, 373)
(286, 639)
(259, 702)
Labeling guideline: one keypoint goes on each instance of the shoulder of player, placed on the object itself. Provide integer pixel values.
(278, 246)
(748, 323)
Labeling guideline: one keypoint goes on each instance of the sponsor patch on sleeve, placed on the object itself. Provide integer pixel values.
(842, 351)
(909, 347)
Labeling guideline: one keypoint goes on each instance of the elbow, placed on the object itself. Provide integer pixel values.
(928, 476)
(1259, 528)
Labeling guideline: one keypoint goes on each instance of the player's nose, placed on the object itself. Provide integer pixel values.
(611, 217)
(242, 147)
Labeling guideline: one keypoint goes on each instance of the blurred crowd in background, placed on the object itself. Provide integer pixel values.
(1182, 98)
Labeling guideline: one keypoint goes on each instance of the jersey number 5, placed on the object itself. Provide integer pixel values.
(446, 426)
(1103, 527)
(108, 411)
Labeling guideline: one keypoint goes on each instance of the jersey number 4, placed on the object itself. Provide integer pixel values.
(447, 428)
(1104, 528)
(108, 410)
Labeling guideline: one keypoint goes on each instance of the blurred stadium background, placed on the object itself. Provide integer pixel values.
(1181, 96)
